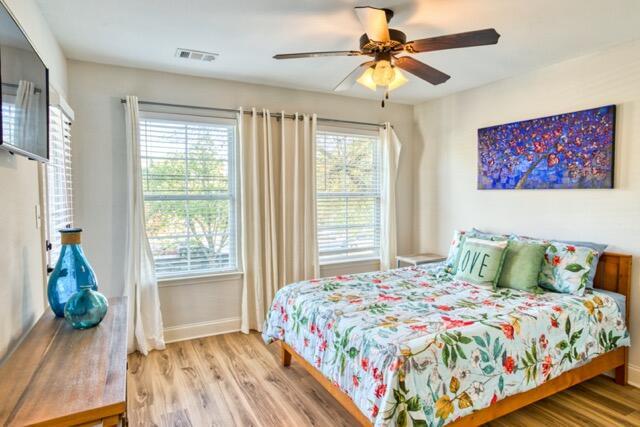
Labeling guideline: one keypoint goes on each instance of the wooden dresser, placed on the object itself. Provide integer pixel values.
(60, 376)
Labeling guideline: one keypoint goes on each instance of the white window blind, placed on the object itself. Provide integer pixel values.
(8, 120)
(188, 173)
(348, 195)
(59, 186)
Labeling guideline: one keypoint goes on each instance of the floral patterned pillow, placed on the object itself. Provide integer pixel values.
(566, 268)
(451, 264)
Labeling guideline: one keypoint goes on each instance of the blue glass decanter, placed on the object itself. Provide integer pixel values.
(86, 308)
(72, 269)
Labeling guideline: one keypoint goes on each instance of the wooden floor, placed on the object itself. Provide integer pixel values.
(235, 380)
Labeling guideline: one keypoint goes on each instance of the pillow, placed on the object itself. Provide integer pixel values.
(454, 251)
(566, 268)
(599, 248)
(480, 261)
(522, 266)
(528, 239)
(479, 234)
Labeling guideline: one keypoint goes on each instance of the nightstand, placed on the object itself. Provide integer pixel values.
(418, 259)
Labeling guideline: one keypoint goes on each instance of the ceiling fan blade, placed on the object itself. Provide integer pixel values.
(422, 70)
(454, 41)
(350, 80)
(317, 54)
(374, 22)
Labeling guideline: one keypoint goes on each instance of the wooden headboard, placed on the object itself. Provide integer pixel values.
(614, 274)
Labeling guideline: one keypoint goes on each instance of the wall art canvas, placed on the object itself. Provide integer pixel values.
(572, 150)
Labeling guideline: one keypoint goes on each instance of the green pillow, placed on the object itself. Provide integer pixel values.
(480, 261)
(522, 265)
(456, 245)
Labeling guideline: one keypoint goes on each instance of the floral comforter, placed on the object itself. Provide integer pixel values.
(416, 347)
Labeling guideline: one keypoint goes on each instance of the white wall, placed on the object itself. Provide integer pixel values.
(99, 173)
(446, 156)
(22, 294)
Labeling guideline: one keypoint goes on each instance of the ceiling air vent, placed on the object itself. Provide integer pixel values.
(196, 55)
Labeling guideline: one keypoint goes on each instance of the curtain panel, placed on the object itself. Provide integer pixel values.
(277, 170)
(27, 131)
(141, 286)
(390, 147)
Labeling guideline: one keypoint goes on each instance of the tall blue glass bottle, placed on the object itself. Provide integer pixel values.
(72, 269)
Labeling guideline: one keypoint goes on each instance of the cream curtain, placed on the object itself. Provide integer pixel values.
(277, 157)
(145, 318)
(390, 147)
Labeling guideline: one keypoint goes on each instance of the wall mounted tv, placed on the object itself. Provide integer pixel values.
(25, 93)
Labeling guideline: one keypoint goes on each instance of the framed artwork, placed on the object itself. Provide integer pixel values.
(571, 150)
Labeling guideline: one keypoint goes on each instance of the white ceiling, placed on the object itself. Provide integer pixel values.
(247, 33)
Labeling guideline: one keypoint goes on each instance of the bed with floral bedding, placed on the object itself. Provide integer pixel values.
(415, 346)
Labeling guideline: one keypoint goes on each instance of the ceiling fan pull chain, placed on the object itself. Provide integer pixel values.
(386, 96)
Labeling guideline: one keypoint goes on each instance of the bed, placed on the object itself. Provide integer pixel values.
(414, 346)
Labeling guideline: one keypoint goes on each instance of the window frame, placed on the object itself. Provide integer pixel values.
(189, 276)
(50, 233)
(353, 131)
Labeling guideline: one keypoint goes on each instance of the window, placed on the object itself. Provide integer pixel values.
(59, 189)
(189, 184)
(348, 195)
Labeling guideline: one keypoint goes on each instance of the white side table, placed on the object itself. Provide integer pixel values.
(418, 259)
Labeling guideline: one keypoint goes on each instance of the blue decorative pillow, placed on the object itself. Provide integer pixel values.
(479, 234)
(451, 264)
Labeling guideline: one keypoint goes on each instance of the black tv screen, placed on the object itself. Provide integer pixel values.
(25, 93)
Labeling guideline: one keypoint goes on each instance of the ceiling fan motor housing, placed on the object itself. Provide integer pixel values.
(396, 38)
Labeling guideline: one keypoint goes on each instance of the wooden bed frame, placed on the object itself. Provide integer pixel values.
(613, 274)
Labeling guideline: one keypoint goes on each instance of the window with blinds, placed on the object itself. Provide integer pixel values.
(59, 189)
(189, 184)
(348, 195)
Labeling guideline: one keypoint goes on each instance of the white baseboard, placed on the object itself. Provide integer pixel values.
(201, 329)
(634, 375)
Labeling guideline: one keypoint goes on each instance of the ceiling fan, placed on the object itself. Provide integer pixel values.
(384, 44)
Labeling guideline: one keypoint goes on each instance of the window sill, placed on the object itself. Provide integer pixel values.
(350, 261)
(202, 279)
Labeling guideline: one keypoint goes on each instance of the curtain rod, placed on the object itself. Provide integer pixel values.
(232, 110)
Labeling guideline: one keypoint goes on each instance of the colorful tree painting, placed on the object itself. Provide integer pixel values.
(573, 150)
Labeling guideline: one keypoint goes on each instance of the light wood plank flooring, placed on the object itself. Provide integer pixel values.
(235, 380)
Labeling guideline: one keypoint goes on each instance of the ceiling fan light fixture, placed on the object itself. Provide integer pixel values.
(398, 80)
(366, 79)
(383, 73)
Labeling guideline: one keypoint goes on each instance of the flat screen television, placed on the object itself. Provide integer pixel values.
(25, 93)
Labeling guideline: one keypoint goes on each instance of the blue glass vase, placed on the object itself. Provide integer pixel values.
(72, 269)
(86, 308)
